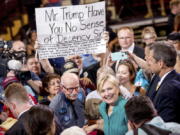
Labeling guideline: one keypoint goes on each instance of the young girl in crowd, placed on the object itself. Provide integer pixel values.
(126, 73)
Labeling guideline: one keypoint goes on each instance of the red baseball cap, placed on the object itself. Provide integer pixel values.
(9, 80)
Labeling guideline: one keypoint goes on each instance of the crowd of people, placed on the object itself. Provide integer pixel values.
(91, 94)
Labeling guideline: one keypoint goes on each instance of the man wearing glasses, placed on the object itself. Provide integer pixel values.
(68, 108)
(126, 41)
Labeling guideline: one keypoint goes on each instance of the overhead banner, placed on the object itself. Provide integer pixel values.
(70, 30)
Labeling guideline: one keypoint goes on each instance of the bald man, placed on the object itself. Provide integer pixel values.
(19, 50)
(18, 46)
(67, 105)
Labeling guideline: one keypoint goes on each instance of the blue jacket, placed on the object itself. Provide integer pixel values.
(69, 113)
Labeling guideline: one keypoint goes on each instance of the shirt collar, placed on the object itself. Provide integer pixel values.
(22, 113)
(163, 77)
(130, 49)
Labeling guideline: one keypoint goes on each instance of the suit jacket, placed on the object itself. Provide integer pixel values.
(167, 98)
(17, 128)
(151, 92)
(139, 51)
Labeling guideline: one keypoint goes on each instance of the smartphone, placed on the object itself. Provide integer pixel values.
(119, 56)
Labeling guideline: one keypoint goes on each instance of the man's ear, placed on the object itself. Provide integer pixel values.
(14, 106)
(161, 64)
(11, 105)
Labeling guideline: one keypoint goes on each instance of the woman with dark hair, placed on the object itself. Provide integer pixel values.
(126, 73)
(39, 120)
(31, 42)
(51, 86)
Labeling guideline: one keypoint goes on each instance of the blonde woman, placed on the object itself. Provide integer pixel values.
(148, 35)
(112, 108)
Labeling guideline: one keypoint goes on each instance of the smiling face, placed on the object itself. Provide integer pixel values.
(109, 93)
(54, 86)
(70, 85)
(71, 90)
(77, 59)
(149, 38)
(123, 74)
(33, 65)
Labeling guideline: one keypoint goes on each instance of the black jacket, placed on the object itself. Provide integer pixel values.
(18, 128)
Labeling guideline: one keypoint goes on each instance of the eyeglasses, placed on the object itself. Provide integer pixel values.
(71, 89)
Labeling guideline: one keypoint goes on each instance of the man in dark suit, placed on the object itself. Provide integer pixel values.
(166, 94)
(19, 104)
(126, 41)
(151, 91)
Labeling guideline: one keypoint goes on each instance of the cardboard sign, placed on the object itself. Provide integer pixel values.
(70, 30)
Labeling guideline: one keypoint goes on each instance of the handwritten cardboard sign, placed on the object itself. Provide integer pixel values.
(70, 30)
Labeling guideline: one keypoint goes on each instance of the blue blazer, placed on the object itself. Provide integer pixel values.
(167, 98)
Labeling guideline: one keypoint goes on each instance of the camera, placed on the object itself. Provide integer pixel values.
(20, 55)
(5, 44)
(23, 76)
(5, 47)
(16, 65)
(6, 54)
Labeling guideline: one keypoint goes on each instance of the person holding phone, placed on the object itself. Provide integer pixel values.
(126, 73)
